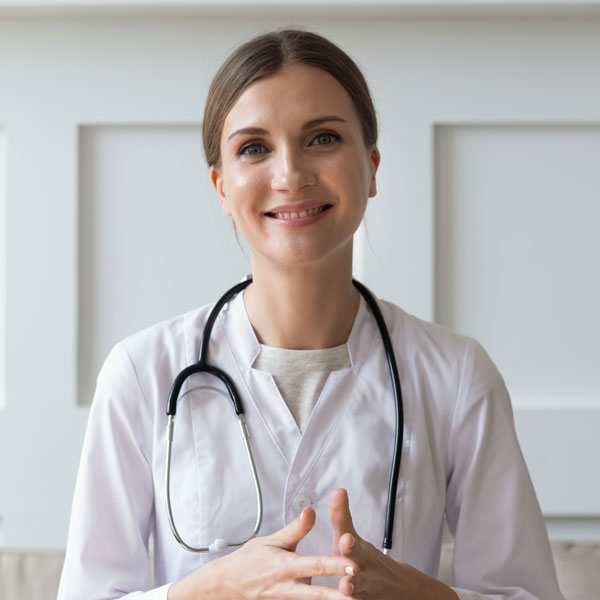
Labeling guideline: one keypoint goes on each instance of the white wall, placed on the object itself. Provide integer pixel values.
(485, 218)
(2, 269)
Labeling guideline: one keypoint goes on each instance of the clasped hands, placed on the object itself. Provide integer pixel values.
(269, 567)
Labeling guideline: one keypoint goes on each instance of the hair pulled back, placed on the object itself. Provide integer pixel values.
(265, 55)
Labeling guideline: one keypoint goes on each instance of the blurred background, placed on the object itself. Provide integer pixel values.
(486, 220)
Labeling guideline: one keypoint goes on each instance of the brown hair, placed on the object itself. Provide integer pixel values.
(265, 55)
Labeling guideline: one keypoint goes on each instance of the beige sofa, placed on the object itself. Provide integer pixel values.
(33, 574)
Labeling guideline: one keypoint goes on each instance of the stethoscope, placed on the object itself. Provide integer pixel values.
(202, 366)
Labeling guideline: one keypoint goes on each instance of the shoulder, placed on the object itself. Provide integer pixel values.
(168, 341)
(419, 329)
(439, 351)
(145, 363)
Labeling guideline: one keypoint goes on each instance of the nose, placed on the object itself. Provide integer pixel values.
(292, 171)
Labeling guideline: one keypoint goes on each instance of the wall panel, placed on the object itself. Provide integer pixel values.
(2, 271)
(149, 223)
(517, 208)
(562, 451)
(517, 247)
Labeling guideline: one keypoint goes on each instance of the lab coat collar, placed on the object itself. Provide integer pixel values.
(245, 347)
(259, 388)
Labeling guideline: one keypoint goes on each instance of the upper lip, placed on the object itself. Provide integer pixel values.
(296, 207)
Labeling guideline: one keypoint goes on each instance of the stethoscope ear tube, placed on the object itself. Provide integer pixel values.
(397, 455)
(214, 313)
(176, 389)
(202, 368)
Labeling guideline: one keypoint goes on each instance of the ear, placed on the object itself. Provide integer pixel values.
(217, 181)
(374, 160)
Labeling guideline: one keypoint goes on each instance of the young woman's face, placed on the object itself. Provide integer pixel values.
(295, 173)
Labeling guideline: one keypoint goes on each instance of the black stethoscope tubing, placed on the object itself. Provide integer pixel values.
(202, 366)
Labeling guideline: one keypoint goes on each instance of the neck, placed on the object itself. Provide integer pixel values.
(302, 309)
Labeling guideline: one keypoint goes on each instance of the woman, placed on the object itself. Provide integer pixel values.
(290, 136)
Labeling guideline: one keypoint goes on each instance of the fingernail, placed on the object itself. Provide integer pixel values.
(352, 544)
(352, 588)
(301, 514)
(349, 571)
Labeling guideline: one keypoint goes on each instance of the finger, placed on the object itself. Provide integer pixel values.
(311, 592)
(293, 532)
(349, 545)
(340, 517)
(339, 511)
(347, 585)
(323, 566)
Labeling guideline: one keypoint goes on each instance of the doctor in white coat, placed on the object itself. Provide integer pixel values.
(290, 136)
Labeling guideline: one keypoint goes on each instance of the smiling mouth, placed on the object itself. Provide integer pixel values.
(300, 214)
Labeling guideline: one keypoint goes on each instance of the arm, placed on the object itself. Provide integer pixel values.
(111, 519)
(501, 546)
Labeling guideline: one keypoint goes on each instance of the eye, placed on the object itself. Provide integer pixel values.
(325, 139)
(252, 149)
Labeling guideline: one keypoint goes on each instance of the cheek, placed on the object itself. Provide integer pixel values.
(245, 194)
(353, 176)
(242, 183)
(241, 179)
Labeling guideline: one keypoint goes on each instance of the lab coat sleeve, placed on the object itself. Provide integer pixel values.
(501, 548)
(112, 515)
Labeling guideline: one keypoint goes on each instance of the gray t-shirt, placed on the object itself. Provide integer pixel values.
(301, 374)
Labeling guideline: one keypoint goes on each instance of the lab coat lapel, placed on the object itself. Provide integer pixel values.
(300, 452)
(261, 390)
(335, 398)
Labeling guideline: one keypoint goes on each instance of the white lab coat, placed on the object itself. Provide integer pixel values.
(460, 460)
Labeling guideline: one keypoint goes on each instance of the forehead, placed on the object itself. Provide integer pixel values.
(295, 93)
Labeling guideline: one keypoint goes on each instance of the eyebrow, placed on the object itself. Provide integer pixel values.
(315, 122)
(308, 125)
(248, 131)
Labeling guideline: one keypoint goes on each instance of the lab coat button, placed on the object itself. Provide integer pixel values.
(301, 502)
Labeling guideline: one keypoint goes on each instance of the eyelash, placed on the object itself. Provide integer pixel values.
(335, 137)
(242, 150)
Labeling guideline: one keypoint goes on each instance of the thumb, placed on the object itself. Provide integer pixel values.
(289, 537)
(340, 517)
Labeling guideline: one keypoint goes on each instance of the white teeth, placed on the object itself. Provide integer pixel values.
(301, 214)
